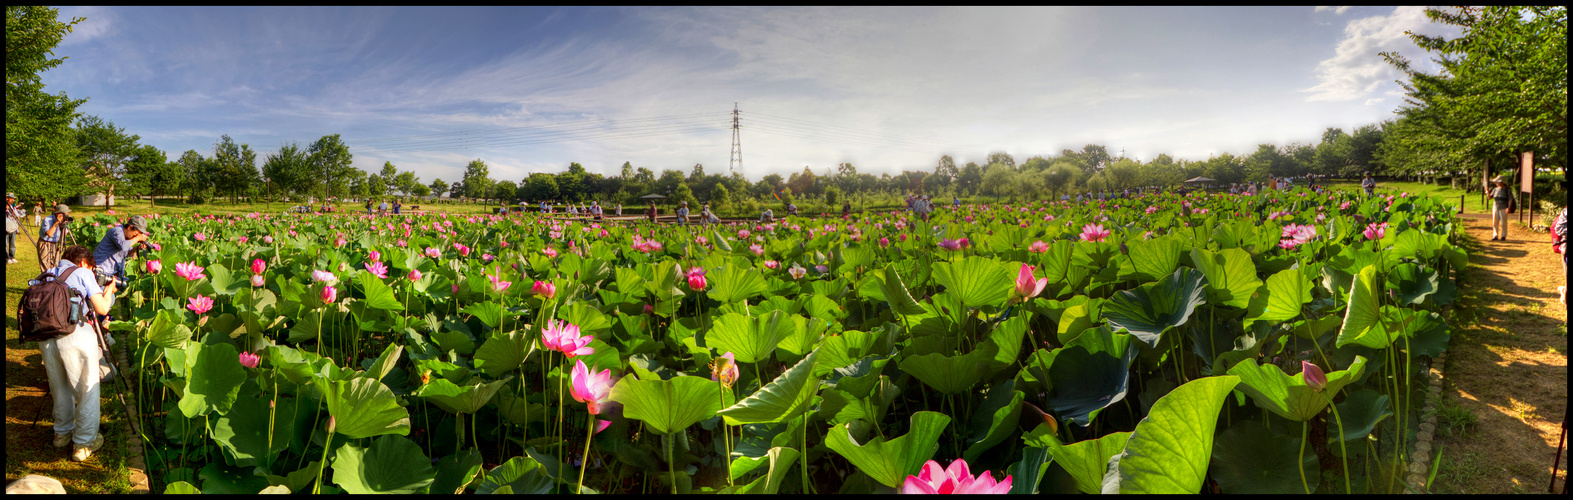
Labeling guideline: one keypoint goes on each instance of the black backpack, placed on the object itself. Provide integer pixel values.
(46, 311)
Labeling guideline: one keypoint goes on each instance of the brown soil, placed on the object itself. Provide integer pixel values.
(1506, 365)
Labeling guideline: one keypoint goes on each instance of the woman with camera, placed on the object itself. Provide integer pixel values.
(51, 233)
(72, 361)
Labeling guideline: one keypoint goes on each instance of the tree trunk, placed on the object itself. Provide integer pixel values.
(107, 199)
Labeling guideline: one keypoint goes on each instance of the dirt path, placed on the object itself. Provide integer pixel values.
(1506, 366)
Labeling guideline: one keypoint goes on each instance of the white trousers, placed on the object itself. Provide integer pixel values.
(72, 364)
(1499, 223)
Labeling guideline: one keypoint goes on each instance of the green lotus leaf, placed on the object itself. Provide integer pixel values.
(1090, 374)
(455, 472)
(363, 408)
(392, 464)
(466, 399)
(1413, 283)
(889, 462)
(181, 488)
(1231, 277)
(750, 340)
(1029, 471)
(667, 406)
(780, 460)
(994, 420)
(1362, 319)
(736, 282)
(977, 281)
(489, 313)
(519, 475)
(168, 330)
(243, 431)
(220, 479)
(782, 399)
(378, 294)
(894, 291)
(1281, 298)
(213, 381)
(1289, 396)
(1152, 309)
(1170, 449)
(1086, 460)
(1251, 459)
(502, 352)
(1156, 258)
(948, 374)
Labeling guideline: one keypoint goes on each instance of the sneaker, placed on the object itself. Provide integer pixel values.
(83, 452)
(61, 440)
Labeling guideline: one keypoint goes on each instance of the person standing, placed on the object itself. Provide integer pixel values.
(51, 232)
(72, 362)
(595, 209)
(1501, 196)
(118, 241)
(1368, 184)
(368, 206)
(651, 212)
(14, 215)
(382, 208)
(682, 214)
(619, 209)
(1559, 244)
(396, 206)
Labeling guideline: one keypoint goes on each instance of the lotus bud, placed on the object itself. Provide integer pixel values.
(1314, 376)
(329, 294)
(257, 281)
(331, 424)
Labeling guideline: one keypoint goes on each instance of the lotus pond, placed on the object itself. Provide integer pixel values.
(1163, 344)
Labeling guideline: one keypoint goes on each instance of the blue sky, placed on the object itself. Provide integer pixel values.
(530, 89)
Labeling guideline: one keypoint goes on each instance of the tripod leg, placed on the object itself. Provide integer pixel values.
(1558, 462)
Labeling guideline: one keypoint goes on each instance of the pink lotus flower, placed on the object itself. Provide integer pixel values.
(258, 265)
(1314, 376)
(797, 271)
(249, 360)
(1375, 231)
(322, 276)
(955, 479)
(696, 282)
(649, 310)
(340, 241)
(1026, 287)
(498, 285)
(243, 239)
(154, 266)
(544, 288)
(432, 253)
(374, 255)
(758, 250)
(601, 425)
(415, 275)
(903, 237)
(200, 304)
(111, 212)
(188, 270)
(1093, 232)
(701, 240)
(257, 280)
(200, 237)
(724, 369)
(1038, 247)
(592, 389)
(487, 257)
(884, 242)
(951, 245)
(267, 239)
(377, 269)
(964, 242)
(550, 252)
(1151, 210)
(329, 294)
(771, 264)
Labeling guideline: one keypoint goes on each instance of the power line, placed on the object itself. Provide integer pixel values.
(527, 128)
(544, 136)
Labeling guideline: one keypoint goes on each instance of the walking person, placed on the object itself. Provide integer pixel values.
(72, 362)
(51, 232)
(619, 209)
(14, 215)
(1368, 184)
(1501, 197)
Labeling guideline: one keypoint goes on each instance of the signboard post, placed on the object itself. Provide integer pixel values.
(1485, 183)
(1527, 186)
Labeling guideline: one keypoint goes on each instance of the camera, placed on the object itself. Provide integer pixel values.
(67, 218)
(104, 279)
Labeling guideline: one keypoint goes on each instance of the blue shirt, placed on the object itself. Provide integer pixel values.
(81, 280)
(111, 251)
(44, 230)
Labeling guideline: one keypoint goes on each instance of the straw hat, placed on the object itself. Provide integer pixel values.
(1499, 180)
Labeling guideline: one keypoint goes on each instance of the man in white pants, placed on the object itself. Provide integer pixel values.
(72, 361)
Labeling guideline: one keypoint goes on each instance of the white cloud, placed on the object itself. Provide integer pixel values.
(1374, 100)
(1337, 10)
(1357, 69)
(97, 23)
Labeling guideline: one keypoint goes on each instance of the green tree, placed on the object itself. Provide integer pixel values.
(40, 150)
(999, 180)
(420, 190)
(1264, 162)
(667, 184)
(406, 182)
(331, 162)
(541, 187)
(476, 181)
(235, 167)
(720, 197)
(628, 171)
(388, 174)
(194, 174)
(1332, 154)
(151, 172)
(504, 190)
(947, 168)
(1225, 168)
(105, 150)
(1094, 157)
(1002, 158)
(971, 178)
(1122, 173)
(684, 193)
(439, 187)
(1502, 88)
(1061, 176)
(832, 197)
(373, 186)
(289, 169)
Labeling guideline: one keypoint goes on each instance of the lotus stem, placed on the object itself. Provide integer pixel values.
(726, 437)
(1341, 447)
(671, 469)
(271, 411)
(804, 459)
(317, 488)
(1299, 459)
(588, 434)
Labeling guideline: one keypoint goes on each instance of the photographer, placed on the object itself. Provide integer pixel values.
(51, 232)
(14, 215)
(119, 242)
(72, 361)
